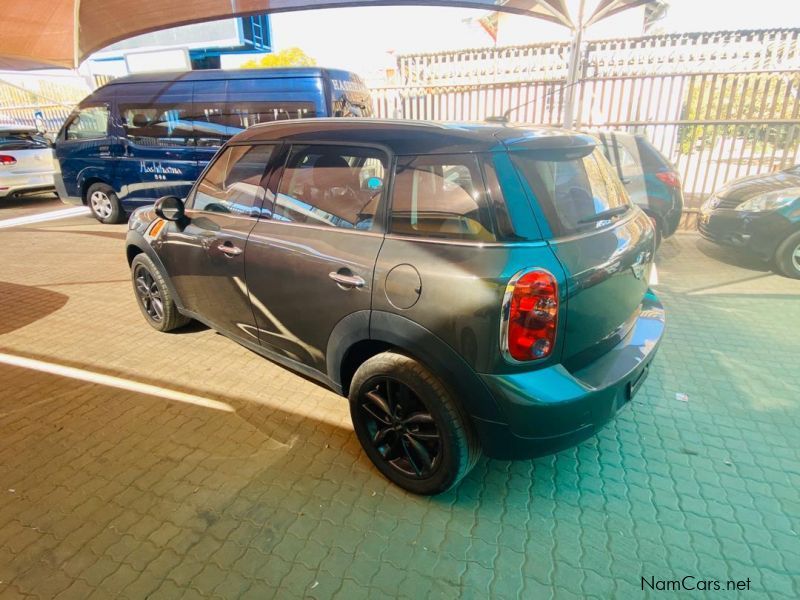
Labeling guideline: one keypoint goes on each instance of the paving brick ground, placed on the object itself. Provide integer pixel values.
(107, 492)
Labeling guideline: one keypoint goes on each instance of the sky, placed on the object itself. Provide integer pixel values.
(360, 39)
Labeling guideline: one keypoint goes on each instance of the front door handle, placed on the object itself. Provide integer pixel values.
(347, 281)
(229, 249)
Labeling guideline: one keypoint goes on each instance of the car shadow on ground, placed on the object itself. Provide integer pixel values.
(30, 201)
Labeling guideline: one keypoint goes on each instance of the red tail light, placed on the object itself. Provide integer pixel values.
(7, 160)
(669, 178)
(530, 316)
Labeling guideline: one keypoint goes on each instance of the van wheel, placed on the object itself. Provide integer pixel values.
(104, 204)
(153, 297)
(410, 426)
(787, 256)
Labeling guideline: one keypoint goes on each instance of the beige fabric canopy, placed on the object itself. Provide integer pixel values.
(62, 33)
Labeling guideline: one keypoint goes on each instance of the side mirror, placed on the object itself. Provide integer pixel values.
(170, 208)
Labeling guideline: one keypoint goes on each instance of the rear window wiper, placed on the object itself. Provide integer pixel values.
(606, 214)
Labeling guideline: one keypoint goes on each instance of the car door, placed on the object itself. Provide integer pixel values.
(158, 155)
(205, 256)
(623, 154)
(84, 149)
(311, 263)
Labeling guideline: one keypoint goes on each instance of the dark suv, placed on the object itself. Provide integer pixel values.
(470, 288)
(652, 182)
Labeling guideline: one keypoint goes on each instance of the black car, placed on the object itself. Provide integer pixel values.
(649, 178)
(471, 288)
(760, 214)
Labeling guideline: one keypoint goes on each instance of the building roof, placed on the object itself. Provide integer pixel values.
(418, 137)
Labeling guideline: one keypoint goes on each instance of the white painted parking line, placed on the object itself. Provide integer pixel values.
(110, 381)
(52, 215)
(653, 275)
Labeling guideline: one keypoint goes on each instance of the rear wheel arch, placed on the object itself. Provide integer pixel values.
(361, 335)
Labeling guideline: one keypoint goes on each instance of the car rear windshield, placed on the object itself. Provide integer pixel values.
(21, 141)
(571, 191)
(652, 159)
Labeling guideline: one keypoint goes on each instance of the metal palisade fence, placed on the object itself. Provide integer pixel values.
(719, 105)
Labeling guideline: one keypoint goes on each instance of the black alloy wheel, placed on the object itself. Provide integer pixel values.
(148, 293)
(400, 426)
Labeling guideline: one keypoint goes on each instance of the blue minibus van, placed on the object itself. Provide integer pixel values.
(141, 137)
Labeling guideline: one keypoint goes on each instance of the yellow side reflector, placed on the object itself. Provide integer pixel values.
(156, 228)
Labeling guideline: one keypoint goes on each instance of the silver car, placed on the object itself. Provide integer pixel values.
(26, 161)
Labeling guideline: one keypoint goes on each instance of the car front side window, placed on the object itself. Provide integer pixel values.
(234, 184)
(90, 123)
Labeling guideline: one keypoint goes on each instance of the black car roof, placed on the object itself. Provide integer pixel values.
(417, 137)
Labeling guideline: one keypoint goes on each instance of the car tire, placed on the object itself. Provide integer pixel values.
(787, 256)
(153, 295)
(104, 204)
(427, 446)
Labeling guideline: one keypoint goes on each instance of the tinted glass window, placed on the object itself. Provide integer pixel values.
(21, 140)
(571, 192)
(442, 197)
(89, 123)
(652, 159)
(157, 125)
(331, 185)
(216, 122)
(233, 183)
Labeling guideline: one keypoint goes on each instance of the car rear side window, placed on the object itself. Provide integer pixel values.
(90, 123)
(440, 196)
(335, 186)
(572, 191)
(158, 126)
(216, 122)
(234, 182)
(21, 140)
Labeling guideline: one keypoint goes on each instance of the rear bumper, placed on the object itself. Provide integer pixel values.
(552, 409)
(27, 182)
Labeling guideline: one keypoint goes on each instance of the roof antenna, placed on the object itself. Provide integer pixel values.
(504, 117)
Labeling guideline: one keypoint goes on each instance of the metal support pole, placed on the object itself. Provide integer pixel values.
(574, 70)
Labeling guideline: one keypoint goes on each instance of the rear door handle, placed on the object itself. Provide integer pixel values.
(229, 249)
(348, 281)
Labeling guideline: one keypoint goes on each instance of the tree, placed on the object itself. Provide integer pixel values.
(290, 57)
(740, 105)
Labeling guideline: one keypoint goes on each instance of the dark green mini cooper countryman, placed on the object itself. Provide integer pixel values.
(470, 288)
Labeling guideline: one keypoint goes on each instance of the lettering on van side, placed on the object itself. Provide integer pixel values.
(342, 85)
(157, 169)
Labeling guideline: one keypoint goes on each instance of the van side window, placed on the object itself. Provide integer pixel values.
(159, 126)
(90, 123)
(216, 122)
(335, 186)
(233, 183)
(440, 196)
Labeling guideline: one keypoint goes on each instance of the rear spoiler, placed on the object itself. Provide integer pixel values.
(555, 146)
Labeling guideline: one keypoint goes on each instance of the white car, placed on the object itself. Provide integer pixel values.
(26, 161)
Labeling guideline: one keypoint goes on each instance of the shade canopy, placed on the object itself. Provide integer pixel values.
(62, 33)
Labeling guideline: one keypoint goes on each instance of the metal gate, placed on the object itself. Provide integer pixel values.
(719, 105)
